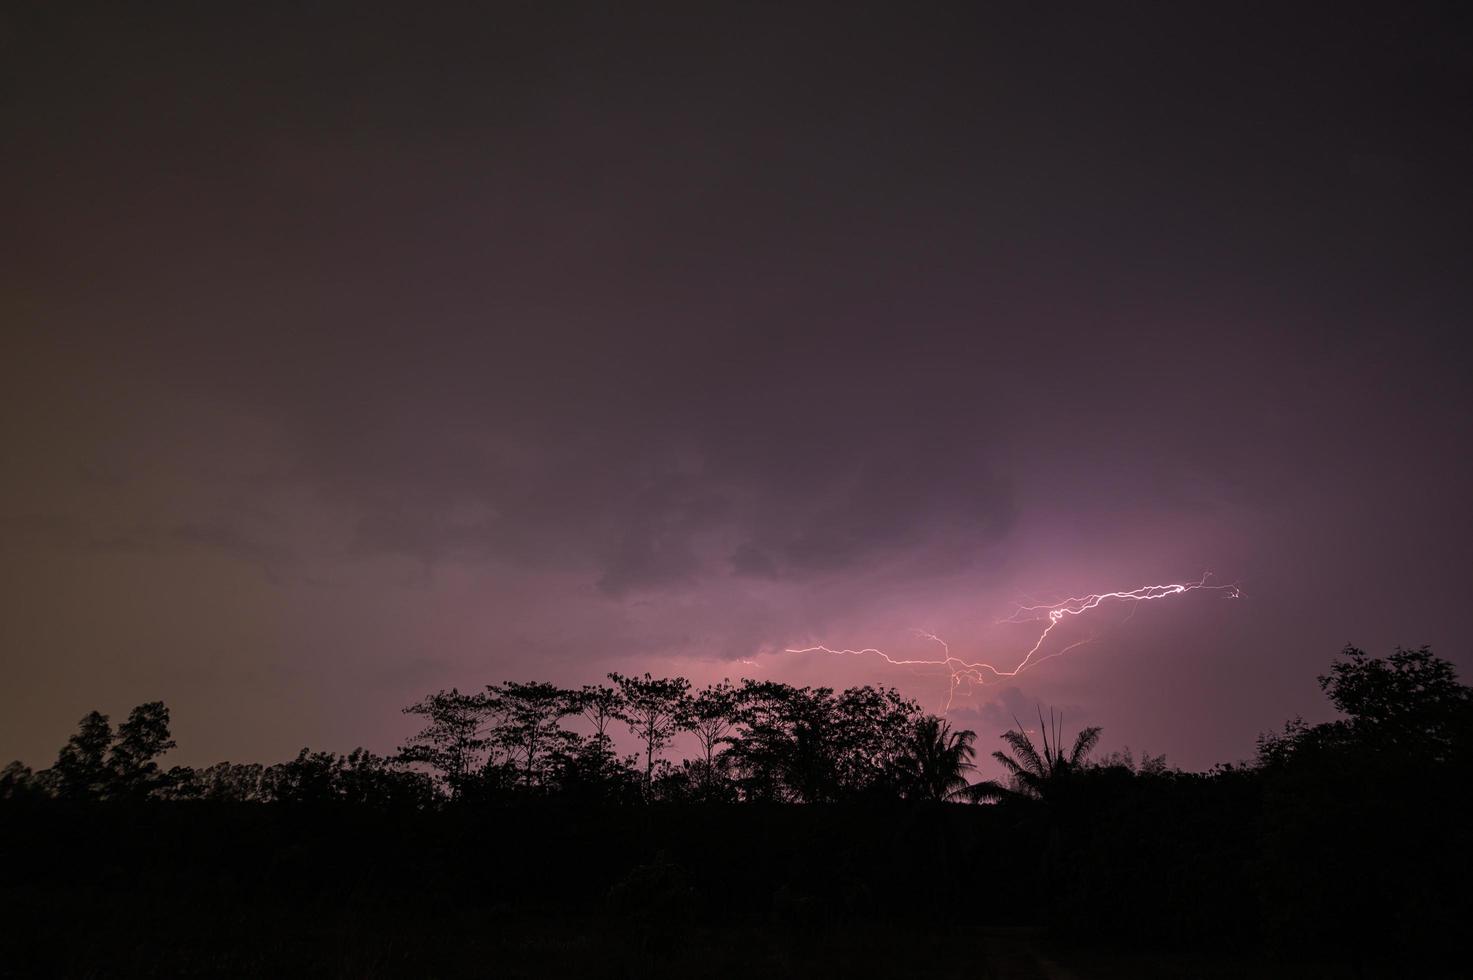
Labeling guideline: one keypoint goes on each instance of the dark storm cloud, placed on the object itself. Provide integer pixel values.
(681, 516)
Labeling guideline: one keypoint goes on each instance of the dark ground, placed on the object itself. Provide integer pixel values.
(257, 890)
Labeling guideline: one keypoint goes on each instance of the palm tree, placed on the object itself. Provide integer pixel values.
(936, 761)
(1035, 775)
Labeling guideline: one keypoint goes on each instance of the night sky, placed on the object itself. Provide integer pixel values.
(353, 351)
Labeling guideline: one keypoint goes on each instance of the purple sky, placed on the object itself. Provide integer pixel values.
(351, 356)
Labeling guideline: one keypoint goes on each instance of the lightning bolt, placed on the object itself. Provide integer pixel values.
(967, 675)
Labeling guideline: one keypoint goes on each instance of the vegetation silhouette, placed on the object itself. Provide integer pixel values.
(810, 831)
(937, 761)
(1033, 775)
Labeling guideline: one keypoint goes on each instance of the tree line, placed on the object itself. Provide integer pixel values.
(1328, 834)
(755, 741)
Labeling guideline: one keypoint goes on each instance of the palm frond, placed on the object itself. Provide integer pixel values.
(1008, 763)
(1026, 752)
(1086, 741)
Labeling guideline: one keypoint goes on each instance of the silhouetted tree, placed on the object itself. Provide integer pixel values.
(140, 741)
(1410, 701)
(98, 763)
(364, 778)
(591, 769)
(1038, 775)
(1400, 758)
(780, 751)
(937, 761)
(869, 732)
(1405, 709)
(654, 709)
(80, 771)
(810, 745)
(1124, 760)
(223, 782)
(601, 705)
(591, 773)
(452, 739)
(528, 726)
(711, 718)
(18, 782)
(309, 778)
(235, 782)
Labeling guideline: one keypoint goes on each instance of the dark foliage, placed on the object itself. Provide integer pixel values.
(502, 831)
